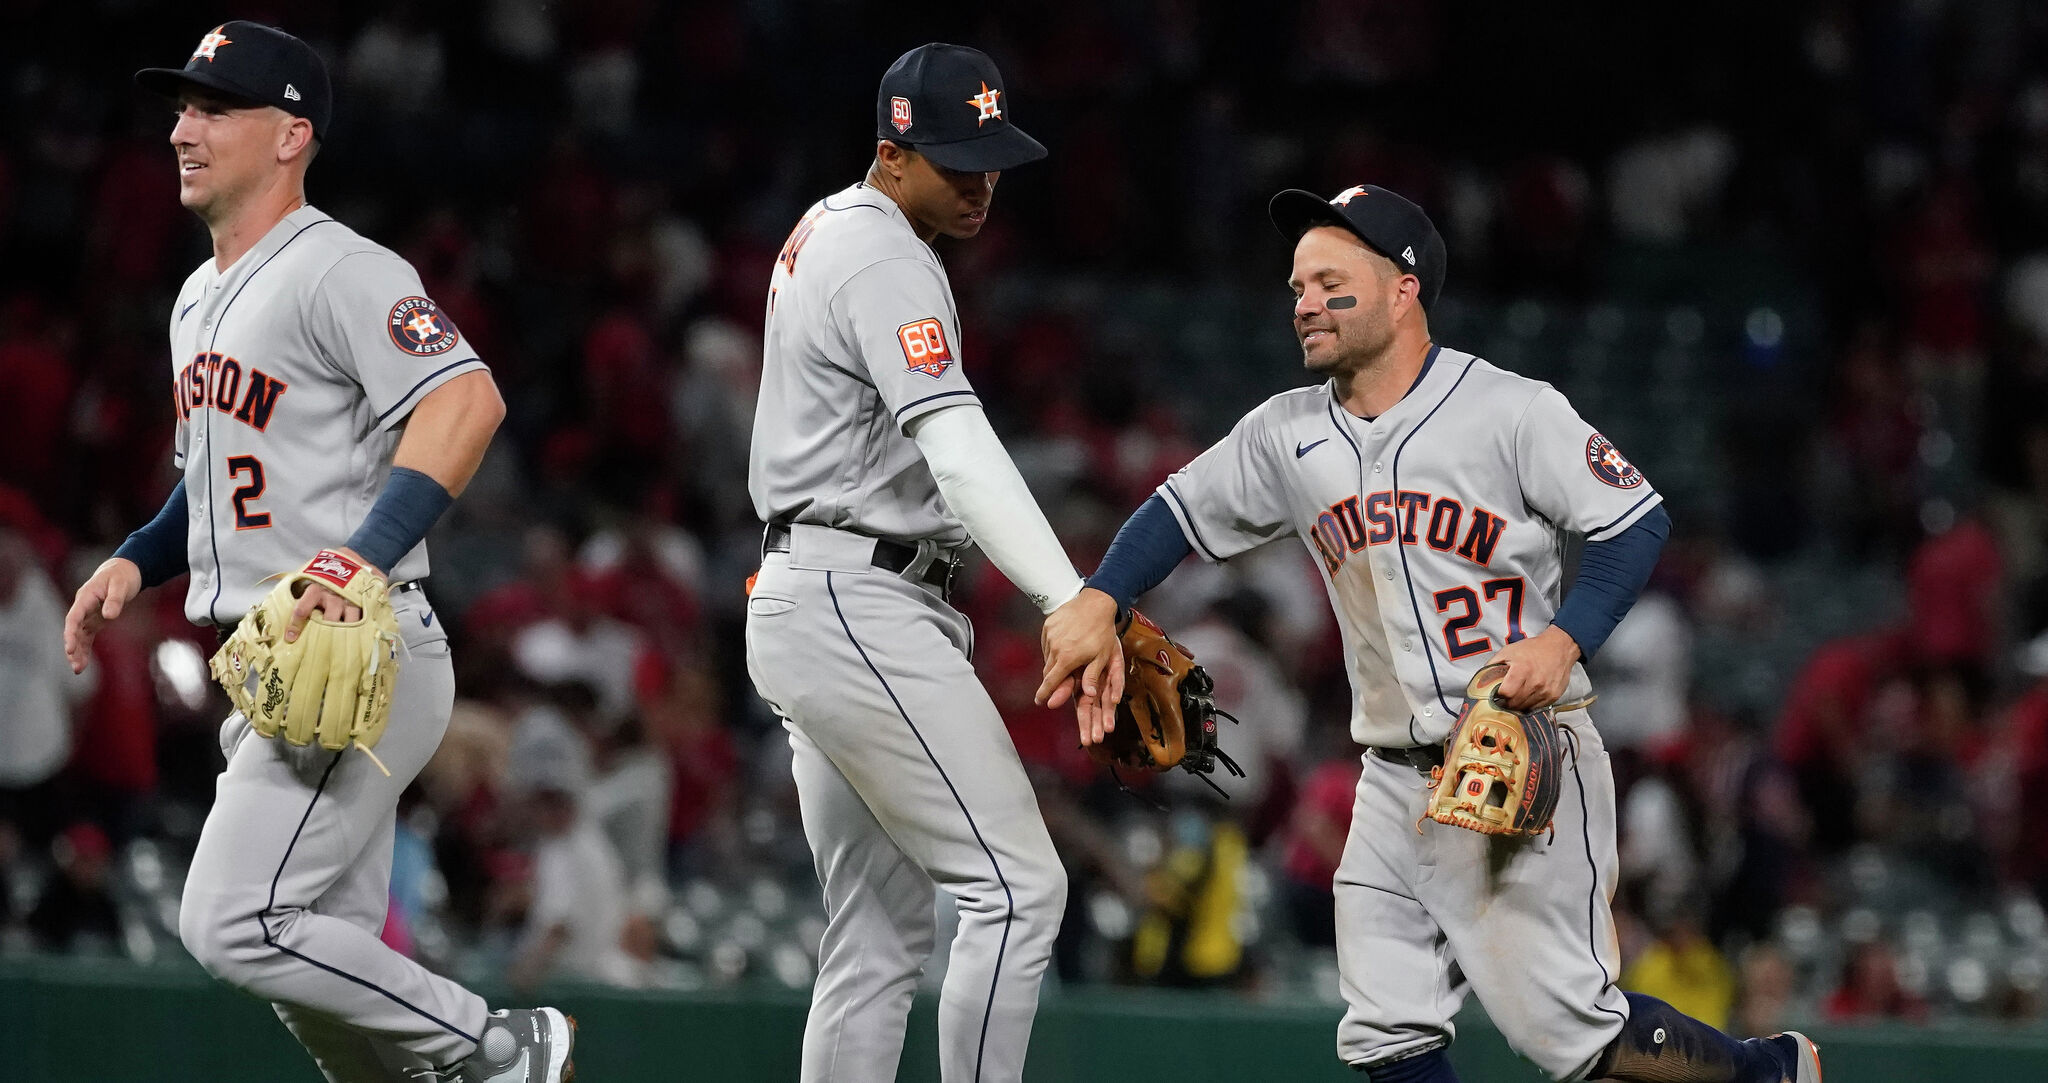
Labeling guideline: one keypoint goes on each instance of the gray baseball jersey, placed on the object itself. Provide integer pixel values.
(1438, 526)
(862, 342)
(292, 369)
(905, 776)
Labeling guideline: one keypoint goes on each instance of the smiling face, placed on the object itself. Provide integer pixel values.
(937, 200)
(1347, 300)
(228, 149)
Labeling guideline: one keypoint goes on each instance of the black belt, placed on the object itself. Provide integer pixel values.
(890, 556)
(1421, 757)
(221, 632)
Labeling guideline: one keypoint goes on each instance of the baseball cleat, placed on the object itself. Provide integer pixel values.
(523, 1045)
(1805, 1054)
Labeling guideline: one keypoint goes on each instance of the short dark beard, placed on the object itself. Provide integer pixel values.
(1328, 367)
(1350, 361)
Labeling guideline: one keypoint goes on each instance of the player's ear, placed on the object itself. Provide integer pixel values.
(295, 141)
(1408, 295)
(890, 157)
(894, 157)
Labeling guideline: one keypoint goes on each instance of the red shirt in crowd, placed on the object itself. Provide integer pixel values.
(1326, 799)
(1833, 690)
(1952, 588)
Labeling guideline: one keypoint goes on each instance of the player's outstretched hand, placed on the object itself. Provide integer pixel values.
(1082, 648)
(113, 585)
(1539, 667)
(330, 605)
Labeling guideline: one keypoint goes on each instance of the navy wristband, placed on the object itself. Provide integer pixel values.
(409, 506)
(158, 548)
(1611, 574)
(1147, 549)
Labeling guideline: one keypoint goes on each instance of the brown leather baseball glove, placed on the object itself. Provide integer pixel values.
(1168, 715)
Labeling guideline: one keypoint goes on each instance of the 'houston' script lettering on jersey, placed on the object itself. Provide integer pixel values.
(1343, 530)
(215, 380)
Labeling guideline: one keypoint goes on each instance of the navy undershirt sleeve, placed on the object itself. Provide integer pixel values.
(1611, 574)
(407, 508)
(1146, 550)
(158, 548)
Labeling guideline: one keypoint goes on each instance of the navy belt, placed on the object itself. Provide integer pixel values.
(221, 632)
(890, 556)
(1423, 758)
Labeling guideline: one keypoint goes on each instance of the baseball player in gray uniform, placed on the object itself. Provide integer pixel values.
(872, 466)
(322, 399)
(1436, 493)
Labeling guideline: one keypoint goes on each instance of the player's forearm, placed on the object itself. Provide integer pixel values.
(449, 431)
(1611, 574)
(158, 547)
(982, 487)
(1147, 549)
(443, 445)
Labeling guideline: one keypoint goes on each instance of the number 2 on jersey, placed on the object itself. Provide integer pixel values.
(1455, 643)
(252, 490)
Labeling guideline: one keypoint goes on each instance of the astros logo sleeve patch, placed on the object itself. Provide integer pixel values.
(1609, 465)
(419, 327)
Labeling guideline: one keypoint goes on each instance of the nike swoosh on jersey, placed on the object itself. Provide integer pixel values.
(186, 311)
(427, 619)
(1303, 449)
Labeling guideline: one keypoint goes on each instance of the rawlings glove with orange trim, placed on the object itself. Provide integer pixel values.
(333, 683)
(1501, 766)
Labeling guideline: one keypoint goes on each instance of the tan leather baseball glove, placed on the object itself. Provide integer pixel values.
(334, 682)
(1500, 774)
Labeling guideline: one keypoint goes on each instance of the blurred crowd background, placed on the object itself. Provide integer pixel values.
(1791, 256)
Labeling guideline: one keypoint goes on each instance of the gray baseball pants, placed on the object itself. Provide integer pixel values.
(906, 778)
(288, 888)
(1427, 912)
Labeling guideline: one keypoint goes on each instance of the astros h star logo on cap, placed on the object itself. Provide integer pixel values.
(214, 39)
(986, 102)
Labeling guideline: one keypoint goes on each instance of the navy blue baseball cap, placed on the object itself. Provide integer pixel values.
(1388, 224)
(256, 63)
(950, 103)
